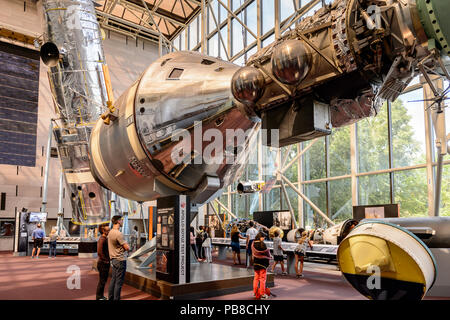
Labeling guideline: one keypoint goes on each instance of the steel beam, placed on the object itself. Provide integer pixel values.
(218, 31)
(300, 153)
(237, 19)
(313, 206)
(225, 208)
(354, 164)
(283, 188)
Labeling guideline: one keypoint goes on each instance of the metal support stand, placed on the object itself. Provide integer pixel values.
(143, 220)
(113, 205)
(437, 191)
(125, 228)
(113, 210)
(438, 118)
(60, 222)
(47, 164)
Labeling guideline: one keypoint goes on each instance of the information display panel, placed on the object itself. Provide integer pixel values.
(172, 247)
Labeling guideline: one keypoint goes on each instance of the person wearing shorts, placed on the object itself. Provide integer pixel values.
(278, 253)
(251, 235)
(235, 245)
(300, 251)
(38, 239)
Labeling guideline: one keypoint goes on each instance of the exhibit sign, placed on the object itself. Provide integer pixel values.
(374, 212)
(281, 219)
(172, 247)
(38, 217)
(183, 241)
(379, 211)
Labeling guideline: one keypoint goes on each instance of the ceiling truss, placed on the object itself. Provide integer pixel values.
(147, 19)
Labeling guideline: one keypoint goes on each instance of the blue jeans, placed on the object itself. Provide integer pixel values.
(52, 248)
(118, 269)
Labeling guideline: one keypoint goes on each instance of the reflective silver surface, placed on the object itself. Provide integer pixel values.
(290, 62)
(183, 90)
(77, 84)
(247, 85)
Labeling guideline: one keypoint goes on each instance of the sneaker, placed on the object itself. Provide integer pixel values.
(284, 273)
(103, 298)
(32, 257)
(264, 297)
(300, 276)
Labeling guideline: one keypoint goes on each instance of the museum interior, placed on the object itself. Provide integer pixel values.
(224, 149)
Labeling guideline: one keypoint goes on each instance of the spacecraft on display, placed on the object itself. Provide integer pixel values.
(339, 65)
(333, 68)
(73, 51)
(336, 67)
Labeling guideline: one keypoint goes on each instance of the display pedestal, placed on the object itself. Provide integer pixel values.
(207, 280)
(87, 249)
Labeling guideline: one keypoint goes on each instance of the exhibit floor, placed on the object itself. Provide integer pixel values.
(23, 278)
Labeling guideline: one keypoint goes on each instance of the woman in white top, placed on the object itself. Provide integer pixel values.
(300, 252)
(207, 245)
(52, 244)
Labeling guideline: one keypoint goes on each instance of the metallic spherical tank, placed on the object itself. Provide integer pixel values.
(290, 62)
(247, 85)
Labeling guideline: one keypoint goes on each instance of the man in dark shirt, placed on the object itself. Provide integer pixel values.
(103, 261)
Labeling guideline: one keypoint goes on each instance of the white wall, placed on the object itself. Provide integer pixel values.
(126, 62)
